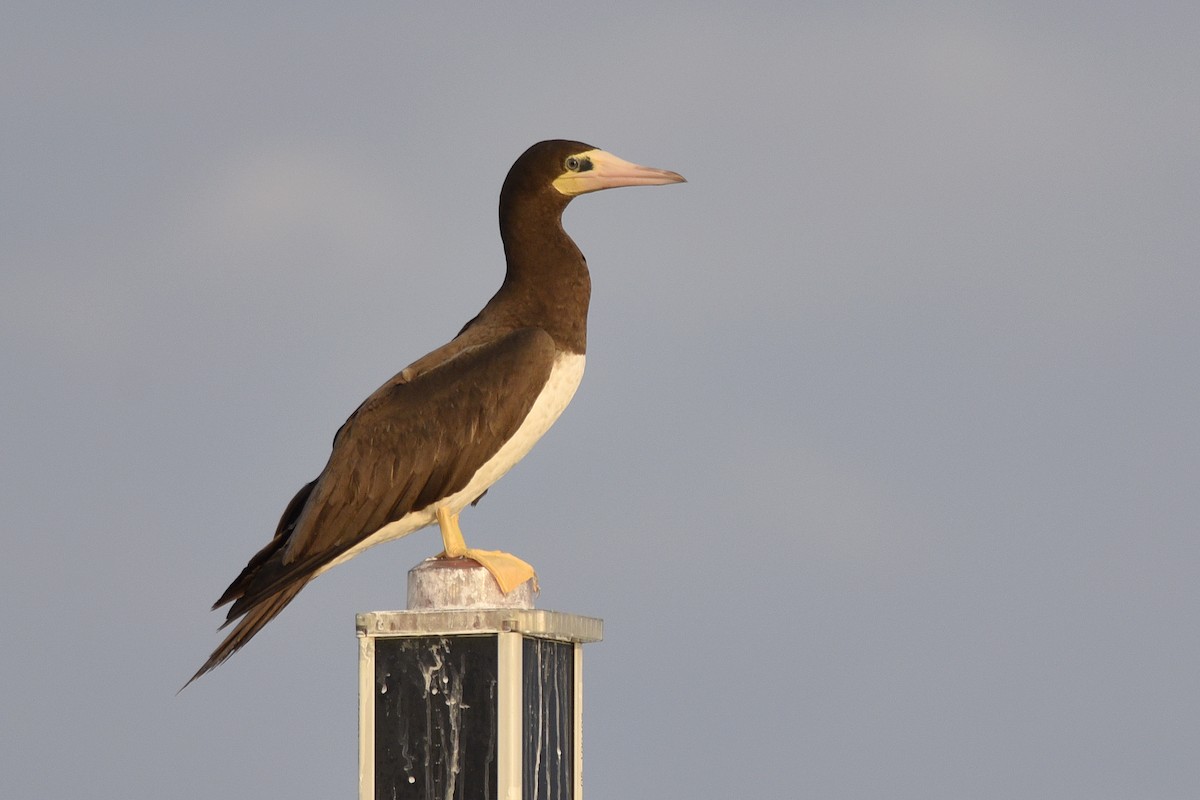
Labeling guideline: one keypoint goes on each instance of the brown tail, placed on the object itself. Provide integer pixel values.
(251, 623)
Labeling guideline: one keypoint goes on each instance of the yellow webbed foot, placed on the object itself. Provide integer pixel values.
(508, 570)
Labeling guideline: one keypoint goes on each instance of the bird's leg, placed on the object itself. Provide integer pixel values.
(452, 538)
(508, 570)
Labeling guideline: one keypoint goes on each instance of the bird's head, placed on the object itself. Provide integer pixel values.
(573, 168)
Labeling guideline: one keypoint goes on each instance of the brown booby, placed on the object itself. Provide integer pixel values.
(431, 440)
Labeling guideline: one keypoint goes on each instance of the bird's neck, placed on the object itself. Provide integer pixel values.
(547, 284)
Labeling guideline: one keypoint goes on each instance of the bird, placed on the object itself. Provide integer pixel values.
(432, 439)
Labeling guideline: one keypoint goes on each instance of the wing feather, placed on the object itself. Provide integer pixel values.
(431, 433)
(419, 438)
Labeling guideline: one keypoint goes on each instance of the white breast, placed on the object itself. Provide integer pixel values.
(565, 375)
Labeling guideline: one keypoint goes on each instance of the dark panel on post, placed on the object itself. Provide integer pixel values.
(435, 718)
(548, 681)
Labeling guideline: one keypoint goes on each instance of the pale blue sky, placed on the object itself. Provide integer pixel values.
(884, 471)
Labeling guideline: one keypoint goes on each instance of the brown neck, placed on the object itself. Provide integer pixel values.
(547, 284)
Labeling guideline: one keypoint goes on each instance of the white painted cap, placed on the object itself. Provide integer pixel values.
(448, 583)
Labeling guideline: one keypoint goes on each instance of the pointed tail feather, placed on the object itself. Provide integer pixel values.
(250, 624)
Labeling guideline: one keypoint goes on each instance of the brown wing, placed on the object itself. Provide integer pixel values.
(420, 437)
(414, 442)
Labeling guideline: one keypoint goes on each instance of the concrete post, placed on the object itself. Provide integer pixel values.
(469, 694)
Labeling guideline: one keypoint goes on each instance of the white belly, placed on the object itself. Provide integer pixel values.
(565, 375)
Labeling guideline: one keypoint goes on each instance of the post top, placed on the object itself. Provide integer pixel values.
(457, 596)
(535, 622)
(442, 584)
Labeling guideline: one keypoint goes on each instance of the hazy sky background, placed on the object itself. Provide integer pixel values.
(884, 474)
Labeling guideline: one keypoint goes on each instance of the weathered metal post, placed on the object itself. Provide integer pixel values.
(470, 694)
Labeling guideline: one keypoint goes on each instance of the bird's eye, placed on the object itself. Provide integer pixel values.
(573, 163)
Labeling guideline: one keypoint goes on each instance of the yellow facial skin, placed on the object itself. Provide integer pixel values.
(593, 170)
